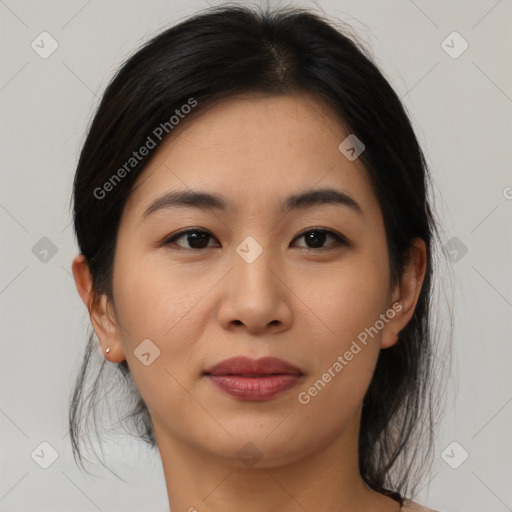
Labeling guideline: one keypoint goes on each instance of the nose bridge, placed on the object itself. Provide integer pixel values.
(252, 260)
(254, 295)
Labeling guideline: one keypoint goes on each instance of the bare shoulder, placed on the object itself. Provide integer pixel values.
(412, 506)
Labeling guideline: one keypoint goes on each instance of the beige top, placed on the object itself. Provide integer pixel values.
(412, 506)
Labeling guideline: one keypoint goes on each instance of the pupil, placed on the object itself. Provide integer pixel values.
(194, 237)
(317, 237)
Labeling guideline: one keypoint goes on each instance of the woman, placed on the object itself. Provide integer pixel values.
(256, 256)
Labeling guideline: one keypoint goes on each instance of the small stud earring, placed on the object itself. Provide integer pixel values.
(108, 350)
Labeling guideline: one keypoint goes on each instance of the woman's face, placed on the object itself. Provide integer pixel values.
(256, 278)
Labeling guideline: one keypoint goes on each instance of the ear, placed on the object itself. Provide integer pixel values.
(100, 311)
(406, 293)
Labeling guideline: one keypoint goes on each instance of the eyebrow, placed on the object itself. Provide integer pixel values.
(208, 201)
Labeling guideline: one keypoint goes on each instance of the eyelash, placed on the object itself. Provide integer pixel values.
(340, 239)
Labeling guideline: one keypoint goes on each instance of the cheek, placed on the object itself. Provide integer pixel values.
(336, 392)
(346, 299)
(157, 303)
(156, 300)
(346, 306)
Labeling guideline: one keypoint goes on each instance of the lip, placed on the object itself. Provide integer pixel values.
(254, 379)
(249, 367)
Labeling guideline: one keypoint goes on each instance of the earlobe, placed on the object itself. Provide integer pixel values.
(100, 314)
(390, 334)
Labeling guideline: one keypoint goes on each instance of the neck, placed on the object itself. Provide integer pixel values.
(327, 478)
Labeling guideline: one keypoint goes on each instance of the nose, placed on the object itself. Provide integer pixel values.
(256, 296)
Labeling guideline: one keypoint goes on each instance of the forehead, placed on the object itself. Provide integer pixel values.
(257, 150)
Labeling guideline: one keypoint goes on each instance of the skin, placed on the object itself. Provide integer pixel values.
(306, 306)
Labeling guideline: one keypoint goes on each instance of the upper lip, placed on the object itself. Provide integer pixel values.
(247, 366)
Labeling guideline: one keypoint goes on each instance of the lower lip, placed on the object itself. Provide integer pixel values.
(255, 388)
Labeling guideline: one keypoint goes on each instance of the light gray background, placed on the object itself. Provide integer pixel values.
(461, 109)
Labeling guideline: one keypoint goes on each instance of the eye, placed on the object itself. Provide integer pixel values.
(317, 236)
(197, 239)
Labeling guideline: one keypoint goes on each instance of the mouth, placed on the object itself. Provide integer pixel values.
(254, 379)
